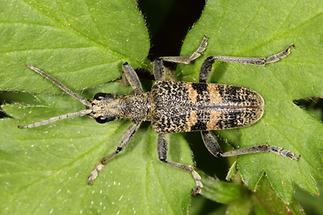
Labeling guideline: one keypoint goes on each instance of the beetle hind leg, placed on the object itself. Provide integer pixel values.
(211, 143)
(162, 154)
(207, 64)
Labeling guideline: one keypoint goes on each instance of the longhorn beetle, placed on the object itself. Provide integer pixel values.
(178, 107)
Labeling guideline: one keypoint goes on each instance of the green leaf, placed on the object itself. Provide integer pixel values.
(266, 202)
(239, 200)
(311, 205)
(44, 170)
(261, 28)
(82, 43)
(240, 207)
(219, 191)
(201, 205)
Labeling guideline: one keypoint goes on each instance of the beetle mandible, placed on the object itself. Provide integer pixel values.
(178, 107)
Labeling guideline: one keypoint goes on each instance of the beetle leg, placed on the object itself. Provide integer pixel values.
(188, 59)
(159, 70)
(162, 154)
(260, 149)
(207, 65)
(161, 73)
(132, 78)
(211, 143)
(123, 144)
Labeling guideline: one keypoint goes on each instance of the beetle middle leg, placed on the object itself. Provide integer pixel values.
(211, 143)
(123, 144)
(207, 65)
(188, 59)
(160, 71)
(162, 154)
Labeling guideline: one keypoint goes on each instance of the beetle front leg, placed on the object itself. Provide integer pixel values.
(207, 64)
(162, 154)
(132, 78)
(123, 144)
(211, 143)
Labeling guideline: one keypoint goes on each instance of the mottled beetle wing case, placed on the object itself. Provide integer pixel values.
(201, 106)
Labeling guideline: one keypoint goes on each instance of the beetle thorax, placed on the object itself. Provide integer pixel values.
(135, 107)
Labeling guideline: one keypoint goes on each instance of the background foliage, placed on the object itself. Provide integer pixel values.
(84, 43)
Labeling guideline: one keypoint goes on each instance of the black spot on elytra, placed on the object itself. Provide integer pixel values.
(233, 94)
(199, 126)
(202, 120)
(199, 87)
(229, 120)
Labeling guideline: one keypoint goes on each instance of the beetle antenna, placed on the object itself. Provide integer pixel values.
(57, 118)
(60, 85)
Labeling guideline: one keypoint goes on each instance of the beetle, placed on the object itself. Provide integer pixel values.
(178, 107)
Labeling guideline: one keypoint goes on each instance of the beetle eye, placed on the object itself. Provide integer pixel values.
(104, 119)
(101, 96)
